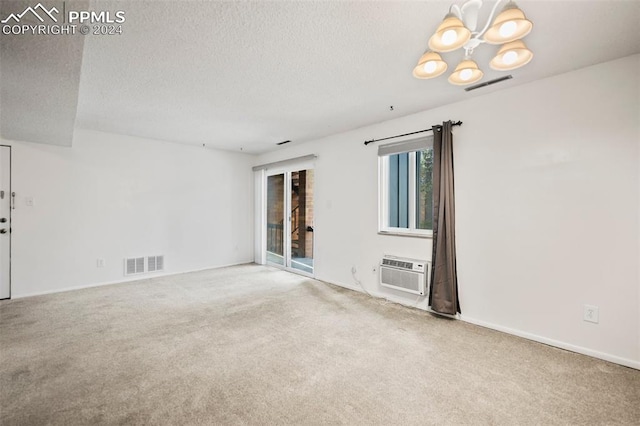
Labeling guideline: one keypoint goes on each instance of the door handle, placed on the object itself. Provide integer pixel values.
(3, 231)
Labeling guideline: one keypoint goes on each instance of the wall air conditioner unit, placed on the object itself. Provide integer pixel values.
(408, 275)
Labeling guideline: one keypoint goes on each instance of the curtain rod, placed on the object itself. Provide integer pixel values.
(455, 123)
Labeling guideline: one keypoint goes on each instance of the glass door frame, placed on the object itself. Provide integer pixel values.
(287, 219)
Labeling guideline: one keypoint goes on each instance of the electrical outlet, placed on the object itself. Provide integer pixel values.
(591, 313)
(100, 263)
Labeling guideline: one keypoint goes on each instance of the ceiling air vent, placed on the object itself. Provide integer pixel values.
(488, 83)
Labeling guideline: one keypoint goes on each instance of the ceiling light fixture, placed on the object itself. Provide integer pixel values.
(458, 30)
(509, 25)
(450, 35)
(466, 72)
(511, 56)
(430, 65)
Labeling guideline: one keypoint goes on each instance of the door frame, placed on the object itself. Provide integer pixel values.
(286, 243)
(10, 219)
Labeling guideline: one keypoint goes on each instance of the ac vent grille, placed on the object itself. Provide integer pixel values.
(397, 263)
(155, 263)
(140, 265)
(134, 265)
(488, 83)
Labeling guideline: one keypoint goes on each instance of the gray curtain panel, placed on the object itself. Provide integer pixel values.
(443, 293)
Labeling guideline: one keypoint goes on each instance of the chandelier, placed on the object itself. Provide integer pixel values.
(458, 30)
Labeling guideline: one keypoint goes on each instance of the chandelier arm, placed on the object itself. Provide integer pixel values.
(455, 9)
(493, 12)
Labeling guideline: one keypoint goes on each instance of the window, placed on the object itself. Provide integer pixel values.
(406, 188)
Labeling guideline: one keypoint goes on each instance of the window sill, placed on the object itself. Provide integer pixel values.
(406, 234)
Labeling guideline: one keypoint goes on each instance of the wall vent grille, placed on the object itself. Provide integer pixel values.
(134, 265)
(155, 263)
(140, 265)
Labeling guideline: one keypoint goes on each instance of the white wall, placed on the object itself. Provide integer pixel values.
(547, 194)
(112, 197)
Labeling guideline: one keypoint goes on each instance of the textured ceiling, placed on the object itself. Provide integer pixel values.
(246, 75)
(39, 81)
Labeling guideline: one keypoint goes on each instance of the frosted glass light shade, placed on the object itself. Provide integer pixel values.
(509, 25)
(511, 56)
(466, 72)
(450, 35)
(430, 65)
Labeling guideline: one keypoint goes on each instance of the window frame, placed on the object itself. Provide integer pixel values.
(383, 191)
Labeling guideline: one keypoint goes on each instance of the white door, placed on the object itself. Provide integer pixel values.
(5, 222)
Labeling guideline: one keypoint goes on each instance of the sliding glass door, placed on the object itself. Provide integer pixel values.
(290, 220)
(302, 220)
(275, 219)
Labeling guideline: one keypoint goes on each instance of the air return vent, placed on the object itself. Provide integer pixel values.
(140, 265)
(155, 263)
(488, 83)
(134, 265)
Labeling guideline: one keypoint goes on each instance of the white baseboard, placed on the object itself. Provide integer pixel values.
(125, 280)
(530, 336)
(557, 343)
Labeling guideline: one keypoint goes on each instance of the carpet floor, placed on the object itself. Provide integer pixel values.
(256, 345)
